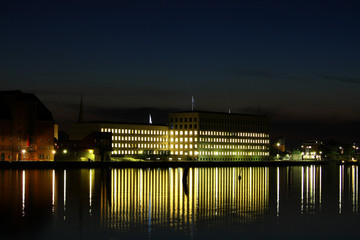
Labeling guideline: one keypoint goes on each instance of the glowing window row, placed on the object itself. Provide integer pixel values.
(149, 139)
(238, 134)
(229, 153)
(190, 153)
(258, 147)
(183, 139)
(137, 152)
(235, 140)
(181, 133)
(183, 146)
(140, 145)
(134, 131)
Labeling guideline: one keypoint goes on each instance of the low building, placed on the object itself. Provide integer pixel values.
(94, 147)
(26, 128)
(312, 150)
(212, 136)
(128, 139)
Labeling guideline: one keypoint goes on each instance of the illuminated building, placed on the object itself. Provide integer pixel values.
(203, 136)
(26, 128)
(210, 136)
(312, 150)
(128, 140)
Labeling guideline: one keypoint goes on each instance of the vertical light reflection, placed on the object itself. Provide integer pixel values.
(53, 192)
(90, 190)
(320, 186)
(180, 193)
(302, 190)
(266, 183)
(64, 194)
(278, 192)
(357, 190)
(191, 196)
(141, 189)
(354, 189)
(216, 190)
(307, 189)
(341, 168)
(234, 178)
(23, 193)
(149, 213)
(250, 186)
(311, 187)
(171, 193)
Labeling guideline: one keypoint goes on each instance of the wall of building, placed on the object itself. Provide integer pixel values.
(27, 128)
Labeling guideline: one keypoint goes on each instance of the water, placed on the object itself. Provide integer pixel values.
(196, 203)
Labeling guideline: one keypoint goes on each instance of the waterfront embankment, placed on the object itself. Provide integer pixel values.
(151, 164)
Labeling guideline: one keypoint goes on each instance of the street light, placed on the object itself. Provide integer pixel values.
(278, 147)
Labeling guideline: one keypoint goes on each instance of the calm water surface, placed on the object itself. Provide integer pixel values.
(195, 203)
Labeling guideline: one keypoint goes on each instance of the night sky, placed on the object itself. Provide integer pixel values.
(295, 61)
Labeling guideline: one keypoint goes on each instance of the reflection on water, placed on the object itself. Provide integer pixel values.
(157, 197)
(190, 200)
(349, 183)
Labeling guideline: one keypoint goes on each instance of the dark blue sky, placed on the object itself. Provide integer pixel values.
(298, 60)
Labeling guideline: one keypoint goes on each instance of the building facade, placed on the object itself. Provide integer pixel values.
(210, 136)
(26, 128)
(195, 136)
(129, 140)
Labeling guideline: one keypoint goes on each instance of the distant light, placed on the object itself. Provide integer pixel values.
(23, 151)
(65, 151)
(53, 151)
(91, 151)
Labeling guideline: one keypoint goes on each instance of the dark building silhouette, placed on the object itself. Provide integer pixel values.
(94, 147)
(26, 128)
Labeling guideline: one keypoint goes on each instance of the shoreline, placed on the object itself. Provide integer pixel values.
(153, 164)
